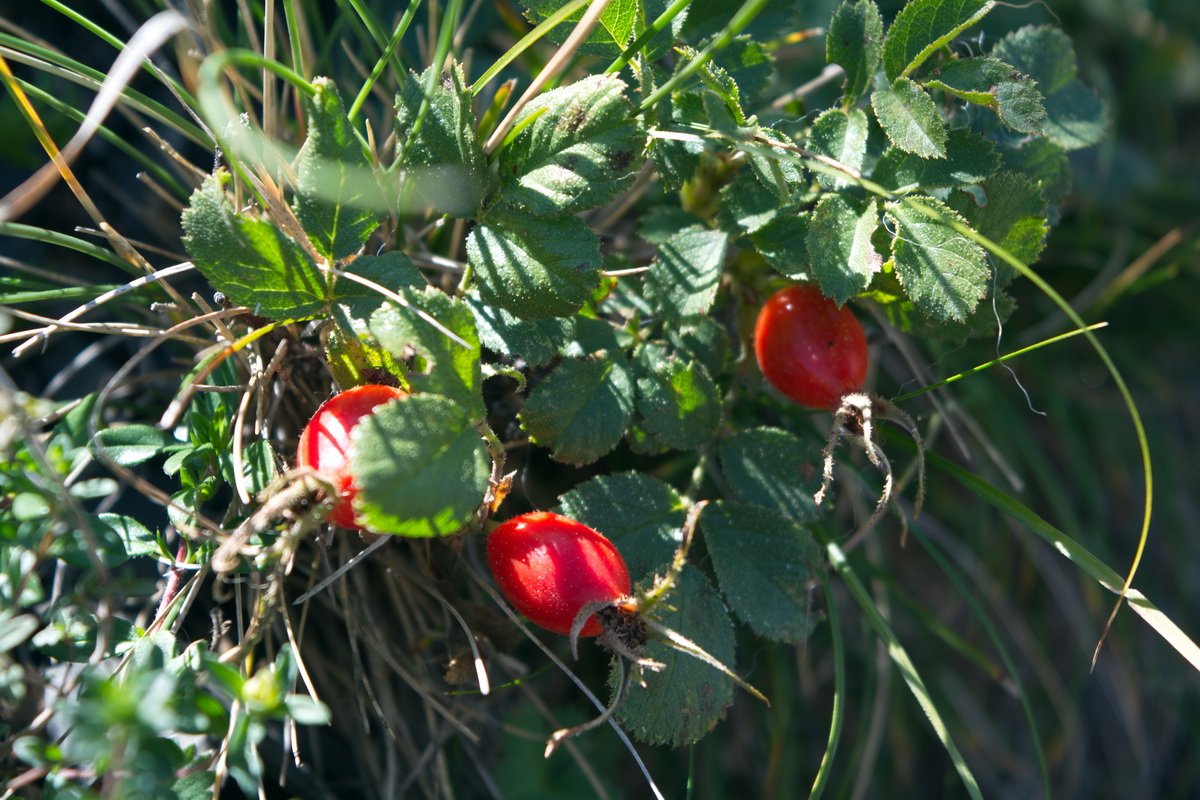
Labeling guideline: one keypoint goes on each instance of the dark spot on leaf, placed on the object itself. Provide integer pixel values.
(574, 120)
(618, 160)
(571, 161)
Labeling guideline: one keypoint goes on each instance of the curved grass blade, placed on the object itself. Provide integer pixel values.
(1109, 365)
(1097, 569)
(999, 360)
(839, 693)
(900, 658)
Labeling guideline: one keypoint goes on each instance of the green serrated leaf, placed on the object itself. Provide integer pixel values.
(534, 267)
(1009, 209)
(620, 21)
(910, 119)
(595, 336)
(855, 41)
(1075, 115)
(784, 244)
(704, 341)
(970, 158)
(924, 26)
(764, 563)
(746, 205)
(250, 260)
(581, 150)
(438, 149)
(582, 409)
(748, 64)
(642, 515)
(536, 342)
(842, 136)
(686, 273)
(942, 272)
(676, 160)
(660, 223)
(1044, 52)
(421, 466)
(840, 253)
(772, 468)
(719, 83)
(354, 303)
(684, 701)
(678, 401)
(338, 201)
(774, 166)
(1044, 162)
(130, 445)
(443, 366)
(994, 84)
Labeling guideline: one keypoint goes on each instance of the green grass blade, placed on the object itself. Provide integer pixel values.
(1077, 553)
(744, 16)
(839, 693)
(999, 360)
(526, 41)
(960, 585)
(22, 231)
(1109, 365)
(900, 658)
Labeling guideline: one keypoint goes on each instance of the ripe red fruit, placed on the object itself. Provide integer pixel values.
(325, 442)
(550, 567)
(809, 349)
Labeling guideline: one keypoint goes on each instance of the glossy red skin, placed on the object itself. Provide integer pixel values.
(809, 349)
(550, 566)
(325, 442)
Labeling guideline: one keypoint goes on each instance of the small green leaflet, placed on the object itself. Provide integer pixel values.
(338, 201)
(783, 242)
(746, 205)
(421, 465)
(910, 119)
(641, 515)
(688, 698)
(1075, 116)
(618, 24)
(1012, 214)
(993, 84)
(840, 253)
(771, 468)
(855, 41)
(970, 158)
(582, 148)
(534, 267)
(130, 445)
(942, 272)
(678, 403)
(354, 303)
(536, 342)
(443, 366)
(686, 273)
(250, 260)
(765, 564)
(842, 136)
(924, 26)
(778, 169)
(676, 160)
(582, 409)
(436, 142)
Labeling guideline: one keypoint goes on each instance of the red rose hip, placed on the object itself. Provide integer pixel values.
(325, 442)
(809, 349)
(550, 567)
